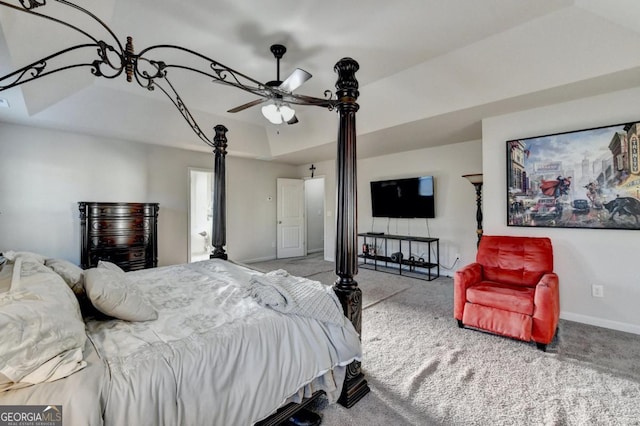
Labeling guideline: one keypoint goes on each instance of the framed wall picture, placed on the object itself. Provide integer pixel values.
(581, 179)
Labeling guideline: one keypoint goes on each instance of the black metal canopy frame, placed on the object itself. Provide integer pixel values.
(114, 59)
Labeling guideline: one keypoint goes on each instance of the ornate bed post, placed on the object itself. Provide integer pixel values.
(346, 287)
(219, 232)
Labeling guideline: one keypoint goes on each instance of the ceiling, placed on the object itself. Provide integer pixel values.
(430, 71)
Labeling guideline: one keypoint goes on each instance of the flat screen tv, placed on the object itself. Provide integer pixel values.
(403, 198)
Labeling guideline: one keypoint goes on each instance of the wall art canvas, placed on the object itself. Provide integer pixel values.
(582, 179)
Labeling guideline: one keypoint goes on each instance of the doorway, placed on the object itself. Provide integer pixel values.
(200, 214)
(300, 217)
(314, 205)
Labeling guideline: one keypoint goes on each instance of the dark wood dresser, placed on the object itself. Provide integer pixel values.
(122, 233)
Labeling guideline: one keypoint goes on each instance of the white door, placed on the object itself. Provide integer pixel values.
(290, 217)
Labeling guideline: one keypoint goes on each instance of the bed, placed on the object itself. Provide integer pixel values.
(181, 344)
(185, 344)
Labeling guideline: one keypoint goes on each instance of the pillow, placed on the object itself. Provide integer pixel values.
(103, 264)
(13, 255)
(113, 294)
(70, 273)
(42, 331)
(27, 267)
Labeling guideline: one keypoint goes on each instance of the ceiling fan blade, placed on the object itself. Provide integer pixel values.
(295, 80)
(293, 120)
(247, 105)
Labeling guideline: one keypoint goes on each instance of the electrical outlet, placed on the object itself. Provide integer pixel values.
(597, 290)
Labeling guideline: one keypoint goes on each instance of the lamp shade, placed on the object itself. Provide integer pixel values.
(271, 113)
(287, 112)
(475, 178)
(277, 113)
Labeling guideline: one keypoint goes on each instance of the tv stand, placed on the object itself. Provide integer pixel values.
(395, 254)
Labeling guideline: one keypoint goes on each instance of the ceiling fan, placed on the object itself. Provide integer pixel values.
(277, 110)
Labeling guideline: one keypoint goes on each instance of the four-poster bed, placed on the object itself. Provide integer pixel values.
(345, 287)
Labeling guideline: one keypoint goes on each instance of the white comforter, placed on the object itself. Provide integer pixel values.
(213, 356)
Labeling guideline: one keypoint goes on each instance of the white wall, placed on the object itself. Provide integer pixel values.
(455, 223)
(45, 173)
(251, 207)
(582, 257)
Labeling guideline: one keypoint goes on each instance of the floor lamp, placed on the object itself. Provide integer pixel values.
(476, 180)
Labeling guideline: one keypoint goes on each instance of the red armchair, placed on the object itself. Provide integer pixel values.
(510, 290)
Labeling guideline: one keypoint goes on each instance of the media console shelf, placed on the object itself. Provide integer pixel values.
(400, 254)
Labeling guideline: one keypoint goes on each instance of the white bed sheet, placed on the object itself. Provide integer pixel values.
(213, 356)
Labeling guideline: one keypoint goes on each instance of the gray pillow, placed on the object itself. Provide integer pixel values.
(109, 265)
(11, 256)
(43, 334)
(113, 294)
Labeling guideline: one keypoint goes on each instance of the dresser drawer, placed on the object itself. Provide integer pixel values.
(120, 209)
(100, 226)
(135, 266)
(128, 240)
(137, 254)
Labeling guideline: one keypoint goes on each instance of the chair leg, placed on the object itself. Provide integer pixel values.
(460, 324)
(541, 346)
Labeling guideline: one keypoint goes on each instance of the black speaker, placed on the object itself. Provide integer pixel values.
(397, 257)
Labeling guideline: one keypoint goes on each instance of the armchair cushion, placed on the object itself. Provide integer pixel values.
(515, 260)
(511, 298)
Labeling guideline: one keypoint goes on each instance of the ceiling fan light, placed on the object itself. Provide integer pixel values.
(287, 112)
(271, 113)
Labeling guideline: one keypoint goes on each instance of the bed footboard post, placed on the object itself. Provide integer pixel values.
(346, 287)
(219, 231)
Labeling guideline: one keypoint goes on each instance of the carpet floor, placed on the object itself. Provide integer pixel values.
(424, 370)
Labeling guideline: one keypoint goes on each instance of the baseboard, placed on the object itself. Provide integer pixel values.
(600, 322)
(317, 250)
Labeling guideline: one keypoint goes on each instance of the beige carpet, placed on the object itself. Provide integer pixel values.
(424, 370)
(315, 268)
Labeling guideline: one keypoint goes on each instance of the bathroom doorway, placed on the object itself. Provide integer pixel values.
(200, 213)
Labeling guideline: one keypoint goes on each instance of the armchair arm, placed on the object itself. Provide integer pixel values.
(546, 308)
(463, 279)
